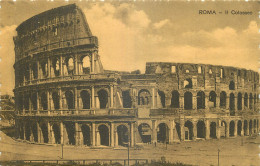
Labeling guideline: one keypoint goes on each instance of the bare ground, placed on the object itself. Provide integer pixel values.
(239, 151)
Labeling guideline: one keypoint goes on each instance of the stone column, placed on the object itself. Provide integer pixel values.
(218, 134)
(111, 96)
(247, 129)
(93, 134)
(171, 131)
(242, 127)
(61, 66)
(207, 125)
(217, 101)
(78, 136)
(206, 102)
(112, 130)
(60, 100)
(235, 128)
(181, 101)
(227, 129)
(154, 132)
(39, 133)
(182, 130)
(92, 62)
(51, 140)
(235, 104)
(227, 102)
(49, 67)
(153, 97)
(92, 97)
(39, 69)
(76, 100)
(61, 133)
(194, 102)
(38, 102)
(76, 65)
(48, 102)
(116, 137)
(242, 104)
(132, 135)
(194, 122)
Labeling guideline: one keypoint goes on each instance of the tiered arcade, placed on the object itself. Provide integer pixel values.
(64, 96)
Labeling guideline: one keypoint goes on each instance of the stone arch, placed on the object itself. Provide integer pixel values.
(162, 98)
(239, 127)
(103, 134)
(85, 64)
(69, 99)
(56, 100)
(239, 101)
(103, 98)
(175, 101)
(85, 98)
(56, 133)
(231, 128)
(189, 132)
(212, 99)
(246, 100)
(144, 97)
(213, 130)
(44, 133)
(187, 100)
(232, 85)
(163, 133)
(232, 104)
(127, 100)
(145, 132)
(86, 134)
(123, 135)
(200, 100)
(201, 129)
(44, 101)
(71, 131)
(223, 98)
(223, 129)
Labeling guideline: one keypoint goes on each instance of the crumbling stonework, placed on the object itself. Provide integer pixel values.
(63, 95)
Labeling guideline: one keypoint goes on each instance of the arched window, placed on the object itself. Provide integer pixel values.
(127, 101)
(34, 101)
(85, 97)
(86, 65)
(44, 67)
(69, 99)
(56, 100)
(144, 97)
(56, 67)
(239, 101)
(187, 100)
(231, 85)
(212, 98)
(175, 102)
(70, 65)
(187, 83)
(251, 101)
(223, 97)
(162, 98)
(103, 98)
(44, 101)
(246, 100)
(232, 104)
(200, 100)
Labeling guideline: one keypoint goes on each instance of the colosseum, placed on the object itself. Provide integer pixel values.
(64, 96)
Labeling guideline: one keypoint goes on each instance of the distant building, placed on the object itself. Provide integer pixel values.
(63, 94)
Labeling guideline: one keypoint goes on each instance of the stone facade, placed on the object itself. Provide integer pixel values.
(64, 96)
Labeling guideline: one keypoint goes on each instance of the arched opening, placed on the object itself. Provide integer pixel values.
(34, 131)
(223, 129)
(144, 97)
(21, 131)
(239, 101)
(245, 127)
(122, 133)
(70, 66)
(145, 132)
(162, 98)
(104, 135)
(44, 101)
(178, 130)
(212, 99)
(231, 128)
(44, 133)
(69, 99)
(231, 85)
(175, 102)
(200, 100)
(56, 67)
(162, 134)
(223, 97)
(56, 100)
(56, 131)
(250, 127)
(255, 126)
(127, 101)
(213, 129)
(187, 83)
(201, 129)
(232, 104)
(34, 101)
(27, 131)
(251, 101)
(70, 128)
(44, 67)
(189, 130)
(246, 100)
(35, 71)
(86, 65)
(103, 98)
(239, 127)
(86, 134)
(187, 100)
(26, 102)
(85, 98)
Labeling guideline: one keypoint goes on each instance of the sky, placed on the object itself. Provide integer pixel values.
(131, 34)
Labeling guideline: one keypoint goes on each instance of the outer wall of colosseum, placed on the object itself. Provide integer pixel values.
(64, 96)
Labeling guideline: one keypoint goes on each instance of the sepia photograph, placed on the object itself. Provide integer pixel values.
(129, 83)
